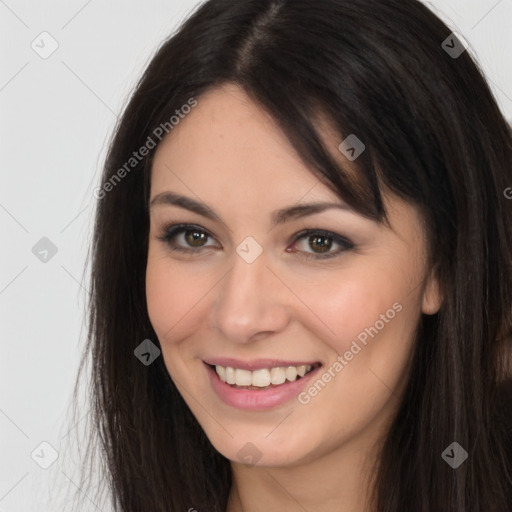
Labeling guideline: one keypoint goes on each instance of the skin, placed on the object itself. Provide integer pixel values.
(230, 154)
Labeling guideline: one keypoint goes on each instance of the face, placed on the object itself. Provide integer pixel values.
(245, 285)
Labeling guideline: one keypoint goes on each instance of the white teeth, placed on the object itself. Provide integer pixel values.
(221, 372)
(243, 377)
(291, 373)
(277, 376)
(263, 377)
(230, 375)
(260, 378)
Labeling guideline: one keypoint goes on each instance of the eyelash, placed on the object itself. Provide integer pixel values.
(170, 232)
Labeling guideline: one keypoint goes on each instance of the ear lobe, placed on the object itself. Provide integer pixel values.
(432, 295)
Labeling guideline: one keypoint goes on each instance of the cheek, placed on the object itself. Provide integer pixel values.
(353, 304)
(173, 299)
(366, 317)
(371, 319)
(169, 296)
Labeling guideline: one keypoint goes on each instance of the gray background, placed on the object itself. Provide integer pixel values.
(56, 115)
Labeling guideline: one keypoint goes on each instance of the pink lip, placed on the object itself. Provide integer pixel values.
(258, 400)
(255, 364)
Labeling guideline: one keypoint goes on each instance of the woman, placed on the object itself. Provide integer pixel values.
(301, 279)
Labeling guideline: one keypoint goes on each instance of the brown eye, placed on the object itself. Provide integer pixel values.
(195, 238)
(185, 238)
(322, 243)
(317, 244)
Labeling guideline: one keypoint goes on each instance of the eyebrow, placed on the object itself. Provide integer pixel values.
(278, 217)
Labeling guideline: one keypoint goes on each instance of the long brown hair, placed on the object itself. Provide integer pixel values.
(434, 135)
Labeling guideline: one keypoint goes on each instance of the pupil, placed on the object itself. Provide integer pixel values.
(193, 237)
(322, 246)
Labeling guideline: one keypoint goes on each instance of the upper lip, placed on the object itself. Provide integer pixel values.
(256, 364)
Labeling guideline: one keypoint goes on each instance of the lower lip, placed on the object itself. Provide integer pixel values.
(258, 400)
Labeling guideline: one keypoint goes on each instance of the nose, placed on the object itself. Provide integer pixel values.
(251, 302)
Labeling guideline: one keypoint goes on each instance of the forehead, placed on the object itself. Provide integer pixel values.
(230, 142)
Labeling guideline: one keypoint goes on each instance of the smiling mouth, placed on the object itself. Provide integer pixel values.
(265, 378)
